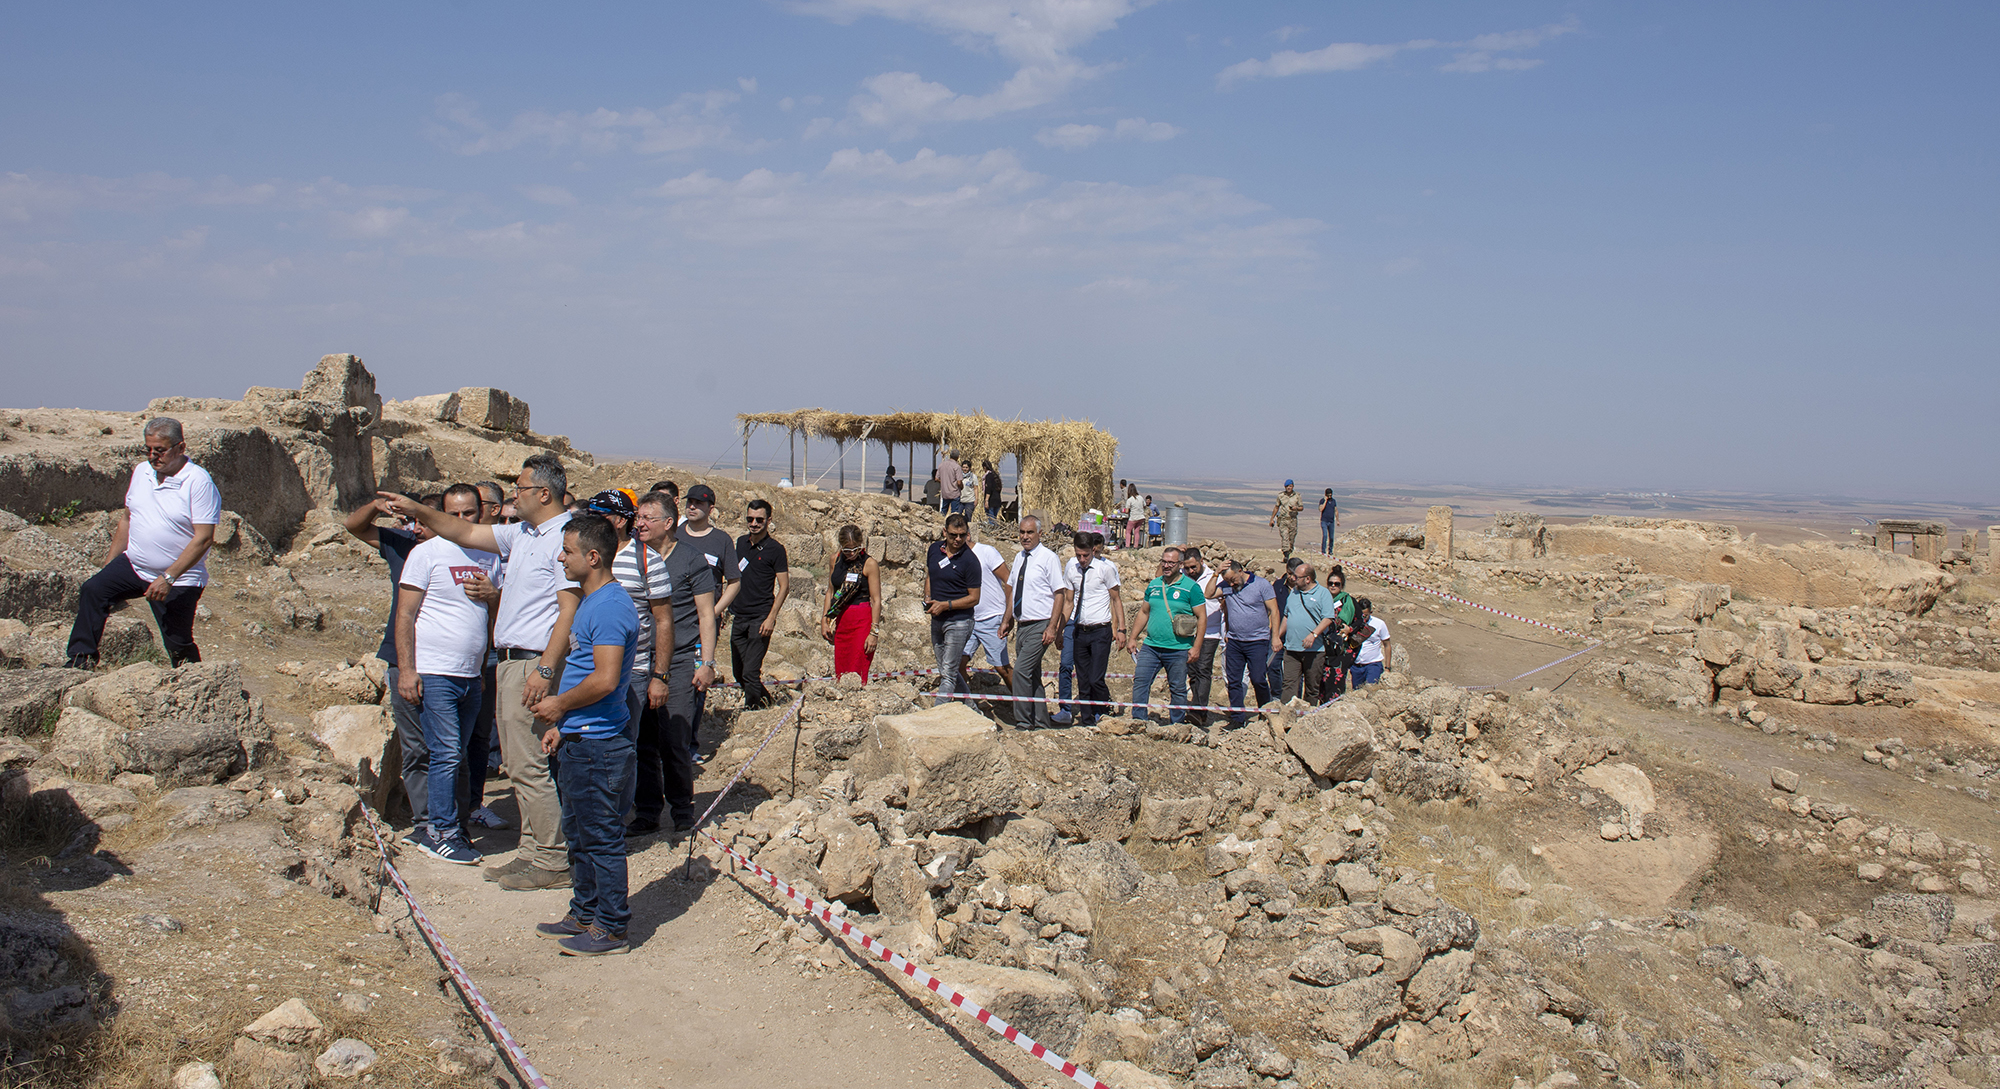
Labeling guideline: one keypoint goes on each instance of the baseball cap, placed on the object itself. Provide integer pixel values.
(701, 493)
(611, 501)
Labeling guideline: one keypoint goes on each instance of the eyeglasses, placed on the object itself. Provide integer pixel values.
(754, 521)
(956, 536)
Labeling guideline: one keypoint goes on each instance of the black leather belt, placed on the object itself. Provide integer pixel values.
(1093, 627)
(516, 654)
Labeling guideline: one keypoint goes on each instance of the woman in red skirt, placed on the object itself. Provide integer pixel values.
(850, 619)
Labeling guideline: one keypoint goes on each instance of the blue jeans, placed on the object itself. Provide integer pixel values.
(1146, 665)
(948, 638)
(1358, 674)
(451, 706)
(1326, 537)
(595, 776)
(1237, 654)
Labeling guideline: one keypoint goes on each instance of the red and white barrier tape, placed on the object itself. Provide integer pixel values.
(481, 1009)
(1407, 584)
(946, 991)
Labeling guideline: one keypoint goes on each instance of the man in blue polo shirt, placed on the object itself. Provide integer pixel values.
(586, 719)
(1250, 615)
(952, 578)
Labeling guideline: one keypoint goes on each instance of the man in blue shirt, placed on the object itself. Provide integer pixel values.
(586, 720)
(1309, 612)
(952, 579)
(1250, 616)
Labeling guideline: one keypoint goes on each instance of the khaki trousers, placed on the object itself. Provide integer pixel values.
(542, 843)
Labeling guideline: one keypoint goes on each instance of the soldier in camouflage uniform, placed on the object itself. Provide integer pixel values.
(1285, 516)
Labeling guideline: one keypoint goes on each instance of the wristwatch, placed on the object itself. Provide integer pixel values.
(545, 673)
(660, 677)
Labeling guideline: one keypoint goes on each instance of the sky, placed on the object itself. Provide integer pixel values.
(1662, 247)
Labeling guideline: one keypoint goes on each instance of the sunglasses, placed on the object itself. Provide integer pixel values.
(754, 521)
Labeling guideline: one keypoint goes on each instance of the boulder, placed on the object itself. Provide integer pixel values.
(1097, 810)
(848, 867)
(952, 761)
(356, 737)
(1335, 741)
(31, 699)
(1717, 646)
(345, 1058)
(291, 1022)
(493, 409)
(185, 753)
(257, 475)
(1165, 820)
(1400, 953)
(344, 380)
(1358, 1009)
(1041, 1006)
(1324, 964)
(1911, 916)
(1832, 684)
(442, 407)
(1100, 870)
(145, 694)
(1357, 882)
(1438, 983)
(1624, 784)
(1068, 910)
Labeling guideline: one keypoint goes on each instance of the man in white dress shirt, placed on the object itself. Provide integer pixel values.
(1039, 605)
(159, 549)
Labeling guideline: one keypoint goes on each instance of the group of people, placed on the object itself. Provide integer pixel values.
(952, 489)
(1132, 516)
(1296, 639)
(581, 638)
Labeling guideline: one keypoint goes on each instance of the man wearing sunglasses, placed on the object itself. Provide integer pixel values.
(159, 549)
(764, 583)
(1171, 593)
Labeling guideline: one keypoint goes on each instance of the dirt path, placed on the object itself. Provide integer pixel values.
(708, 996)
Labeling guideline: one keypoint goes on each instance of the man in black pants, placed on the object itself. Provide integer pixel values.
(1099, 618)
(760, 560)
(159, 549)
(665, 786)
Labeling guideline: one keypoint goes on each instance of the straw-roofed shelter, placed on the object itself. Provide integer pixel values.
(1062, 467)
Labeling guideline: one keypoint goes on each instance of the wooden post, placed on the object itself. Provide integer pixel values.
(805, 457)
(794, 433)
(746, 450)
(840, 461)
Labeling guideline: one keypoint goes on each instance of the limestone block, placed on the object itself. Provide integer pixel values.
(1042, 1006)
(356, 737)
(431, 406)
(1168, 819)
(1102, 871)
(292, 1022)
(1437, 531)
(481, 406)
(1909, 915)
(848, 868)
(344, 380)
(1335, 741)
(1832, 684)
(1358, 1009)
(951, 759)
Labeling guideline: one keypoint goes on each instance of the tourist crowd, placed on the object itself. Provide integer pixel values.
(578, 640)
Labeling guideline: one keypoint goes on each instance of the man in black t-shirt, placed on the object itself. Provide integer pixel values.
(394, 546)
(760, 565)
(952, 579)
(714, 544)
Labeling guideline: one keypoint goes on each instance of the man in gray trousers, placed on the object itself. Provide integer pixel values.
(1041, 602)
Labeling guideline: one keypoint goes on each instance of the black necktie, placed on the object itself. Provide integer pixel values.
(1020, 577)
(1082, 580)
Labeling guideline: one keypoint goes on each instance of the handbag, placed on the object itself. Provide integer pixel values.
(1184, 623)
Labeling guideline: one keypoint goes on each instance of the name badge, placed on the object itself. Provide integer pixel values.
(852, 577)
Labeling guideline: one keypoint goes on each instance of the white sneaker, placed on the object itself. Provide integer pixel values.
(486, 818)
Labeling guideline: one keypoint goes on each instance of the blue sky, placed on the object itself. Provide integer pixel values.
(1658, 247)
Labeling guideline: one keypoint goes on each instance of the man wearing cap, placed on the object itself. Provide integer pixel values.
(1285, 516)
(643, 573)
(159, 549)
(532, 634)
(764, 581)
(713, 544)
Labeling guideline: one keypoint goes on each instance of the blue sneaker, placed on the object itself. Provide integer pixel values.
(420, 838)
(453, 849)
(1062, 718)
(594, 942)
(565, 927)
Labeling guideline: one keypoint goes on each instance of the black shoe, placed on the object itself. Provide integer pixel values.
(81, 661)
(642, 826)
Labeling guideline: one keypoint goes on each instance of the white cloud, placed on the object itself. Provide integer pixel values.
(748, 84)
(1037, 36)
(1479, 54)
(1072, 137)
(548, 194)
(692, 121)
(1076, 137)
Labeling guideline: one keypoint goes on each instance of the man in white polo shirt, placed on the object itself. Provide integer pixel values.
(531, 633)
(1037, 608)
(159, 549)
